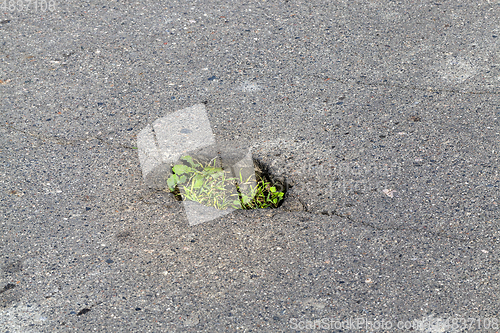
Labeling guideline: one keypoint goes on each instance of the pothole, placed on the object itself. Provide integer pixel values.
(224, 182)
(217, 178)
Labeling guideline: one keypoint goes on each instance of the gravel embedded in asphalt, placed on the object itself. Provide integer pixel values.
(383, 117)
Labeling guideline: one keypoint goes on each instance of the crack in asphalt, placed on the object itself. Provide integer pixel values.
(63, 141)
(143, 199)
(324, 77)
(421, 232)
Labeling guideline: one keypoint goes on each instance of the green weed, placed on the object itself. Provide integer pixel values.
(209, 185)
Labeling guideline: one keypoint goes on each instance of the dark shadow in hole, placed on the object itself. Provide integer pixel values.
(83, 311)
(7, 287)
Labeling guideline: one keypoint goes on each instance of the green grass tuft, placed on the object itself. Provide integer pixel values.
(208, 185)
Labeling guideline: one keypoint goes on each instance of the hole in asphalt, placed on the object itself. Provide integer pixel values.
(83, 311)
(123, 235)
(7, 287)
(211, 184)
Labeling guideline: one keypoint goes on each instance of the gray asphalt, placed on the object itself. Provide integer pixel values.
(383, 116)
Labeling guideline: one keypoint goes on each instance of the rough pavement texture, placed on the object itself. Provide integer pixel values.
(384, 116)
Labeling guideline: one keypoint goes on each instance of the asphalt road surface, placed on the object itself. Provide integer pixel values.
(383, 116)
